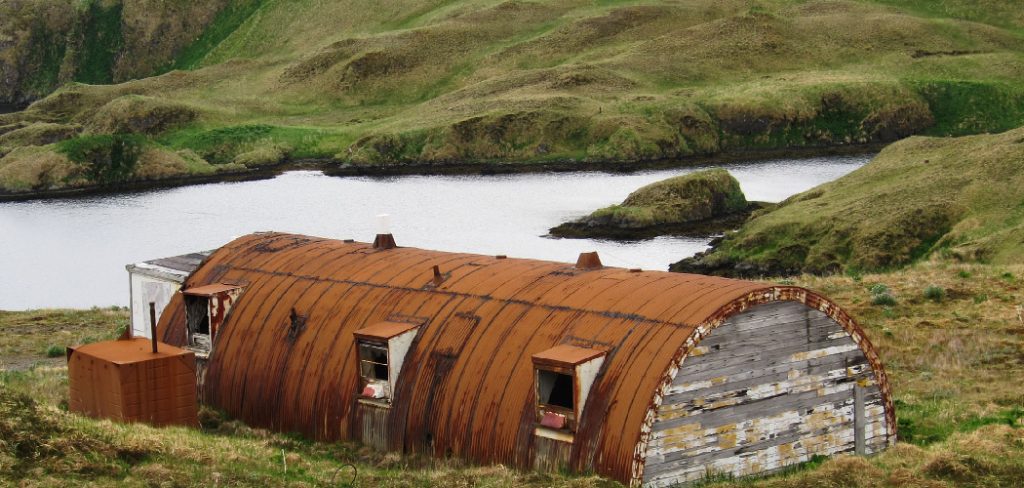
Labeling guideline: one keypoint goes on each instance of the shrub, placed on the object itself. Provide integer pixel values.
(885, 299)
(54, 351)
(935, 293)
(107, 158)
(879, 289)
(964, 274)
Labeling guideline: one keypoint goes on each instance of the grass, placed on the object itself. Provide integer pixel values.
(954, 369)
(923, 198)
(30, 337)
(481, 81)
(227, 21)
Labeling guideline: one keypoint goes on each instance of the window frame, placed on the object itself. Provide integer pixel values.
(543, 408)
(362, 344)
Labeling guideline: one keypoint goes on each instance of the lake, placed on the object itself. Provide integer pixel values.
(72, 252)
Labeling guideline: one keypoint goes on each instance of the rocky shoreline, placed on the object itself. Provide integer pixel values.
(332, 167)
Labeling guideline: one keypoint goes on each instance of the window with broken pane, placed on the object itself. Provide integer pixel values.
(373, 361)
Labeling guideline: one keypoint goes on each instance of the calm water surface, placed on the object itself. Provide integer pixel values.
(72, 252)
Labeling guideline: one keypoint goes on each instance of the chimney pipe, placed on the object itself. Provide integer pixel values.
(152, 324)
(589, 260)
(384, 239)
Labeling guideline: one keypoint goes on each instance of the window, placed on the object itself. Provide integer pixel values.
(197, 312)
(564, 375)
(373, 361)
(206, 309)
(381, 352)
(555, 389)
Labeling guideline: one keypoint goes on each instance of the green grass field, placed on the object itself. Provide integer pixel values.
(954, 359)
(483, 80)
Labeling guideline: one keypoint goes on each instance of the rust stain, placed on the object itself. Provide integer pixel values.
(467, 385)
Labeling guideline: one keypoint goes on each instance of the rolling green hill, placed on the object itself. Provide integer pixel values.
(948, 198)
(408, 81)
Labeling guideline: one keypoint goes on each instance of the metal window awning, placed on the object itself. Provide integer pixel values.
(210, 290)
(382, 331)
(566, 356)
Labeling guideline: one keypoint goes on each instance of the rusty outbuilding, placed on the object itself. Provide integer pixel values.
(127, 381)
(646, 377)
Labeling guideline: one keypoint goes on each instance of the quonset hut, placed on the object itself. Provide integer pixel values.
(645, 377)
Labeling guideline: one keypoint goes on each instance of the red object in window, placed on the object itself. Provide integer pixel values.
(369, 392)
(553, 420)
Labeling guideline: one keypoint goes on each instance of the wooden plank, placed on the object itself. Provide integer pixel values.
(770, 387)
(858, 418)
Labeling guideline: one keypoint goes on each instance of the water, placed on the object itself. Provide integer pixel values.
(72, 252)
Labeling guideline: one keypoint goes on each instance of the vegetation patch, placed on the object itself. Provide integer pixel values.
(105, 159)
(102, 40)
(140, 115)
(224, 24)
(35, 168)
(38, 134)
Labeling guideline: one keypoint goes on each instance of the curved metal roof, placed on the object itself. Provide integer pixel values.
(468, 379)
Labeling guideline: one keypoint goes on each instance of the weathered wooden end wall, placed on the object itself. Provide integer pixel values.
(771, 387)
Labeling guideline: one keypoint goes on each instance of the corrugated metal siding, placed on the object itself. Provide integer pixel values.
(467, 385)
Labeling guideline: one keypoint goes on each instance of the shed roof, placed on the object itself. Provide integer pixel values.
(566, 355)
(174, 268)
(466, 387)
(209, 290)
(129, 351)
(385, 330)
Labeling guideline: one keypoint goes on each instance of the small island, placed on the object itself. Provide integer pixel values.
(703, 203)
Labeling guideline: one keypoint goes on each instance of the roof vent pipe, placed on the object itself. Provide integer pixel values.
(152, 325)
(589, 260)
(384, 239)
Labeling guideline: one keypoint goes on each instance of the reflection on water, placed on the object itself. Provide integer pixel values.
(72, 252)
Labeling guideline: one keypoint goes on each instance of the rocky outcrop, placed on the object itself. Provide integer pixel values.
(701, 203)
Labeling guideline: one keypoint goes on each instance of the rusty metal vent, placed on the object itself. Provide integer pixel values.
(589, 260)
(384, 241)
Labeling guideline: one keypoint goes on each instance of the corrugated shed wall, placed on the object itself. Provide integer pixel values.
(467, 385)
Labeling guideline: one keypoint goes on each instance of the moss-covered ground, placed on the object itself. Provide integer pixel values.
(954, 360)
(413, 82)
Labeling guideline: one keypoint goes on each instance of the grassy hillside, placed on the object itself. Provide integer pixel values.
(410, 81)
(950, 338)
(948, 198)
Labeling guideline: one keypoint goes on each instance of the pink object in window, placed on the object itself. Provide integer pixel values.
(553, 420)
(369, 392)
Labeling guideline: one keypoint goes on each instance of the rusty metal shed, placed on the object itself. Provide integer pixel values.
(124, 380)
(687, 375)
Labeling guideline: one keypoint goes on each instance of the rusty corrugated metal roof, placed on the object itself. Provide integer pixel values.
(466, 388)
